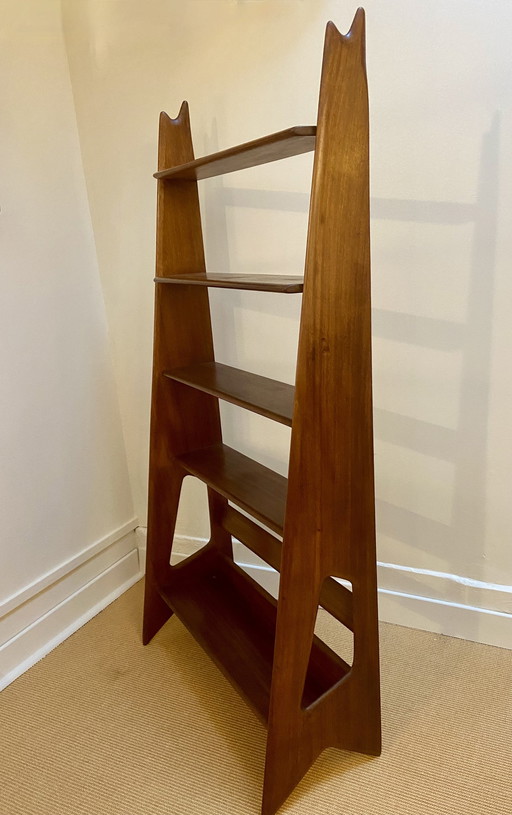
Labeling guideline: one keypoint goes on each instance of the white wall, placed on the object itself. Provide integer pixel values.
(441, 97)
(64, 488)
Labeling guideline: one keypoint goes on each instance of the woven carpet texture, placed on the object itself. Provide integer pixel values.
(103, 726)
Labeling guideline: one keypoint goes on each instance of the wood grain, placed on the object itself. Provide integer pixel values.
(334, 598)
(330, 522)
(233, 619)
(250, 485)
(257, 539)
(325, 510)
(286, 143)
(182, 419)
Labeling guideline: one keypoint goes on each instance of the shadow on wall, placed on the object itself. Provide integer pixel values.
(462, 445)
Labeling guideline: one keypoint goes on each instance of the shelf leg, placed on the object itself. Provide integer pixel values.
(348, 715)
(156, 611)
(329, 528)
(182, 418)
(290, 748)
(161, 523)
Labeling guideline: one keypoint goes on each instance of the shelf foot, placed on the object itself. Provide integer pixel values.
(282, 774)
(166, 484)
(156, 611)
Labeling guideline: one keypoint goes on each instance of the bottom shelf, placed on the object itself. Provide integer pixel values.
(234, 620)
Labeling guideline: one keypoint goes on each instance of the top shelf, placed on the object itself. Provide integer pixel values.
(286, 143)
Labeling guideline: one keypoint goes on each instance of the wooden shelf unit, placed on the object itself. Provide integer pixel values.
(319, 523)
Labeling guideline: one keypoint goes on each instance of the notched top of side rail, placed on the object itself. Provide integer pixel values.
(356, 30)
(355, 34)
(183, 115)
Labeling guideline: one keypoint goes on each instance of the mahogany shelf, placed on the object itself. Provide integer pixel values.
(258, 490)
(239, 610)
(267, 397)
(286, 143)
(283, 284)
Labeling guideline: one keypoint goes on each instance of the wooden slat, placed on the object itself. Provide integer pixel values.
(334, 597)
(284, 284)
(286, 143)
(255, 488)
(257, 393)
(240, 612)
(258, 540)
(338, 601)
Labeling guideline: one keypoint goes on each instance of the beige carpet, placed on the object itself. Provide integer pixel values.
(103, 726)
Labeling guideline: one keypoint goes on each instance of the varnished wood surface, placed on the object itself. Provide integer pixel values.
(260, 394)
(258, 540)
(250, 485)
(284, 284)
(286, 143)
(335, 598)
(330, 516)
(325, 511)
(181, 418)
(233, 619)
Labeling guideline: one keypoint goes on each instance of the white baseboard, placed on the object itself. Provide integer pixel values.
(42, 615)
(417, 598)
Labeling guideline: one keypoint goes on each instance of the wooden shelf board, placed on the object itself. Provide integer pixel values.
(257, 539)
(334, 597)
(283, 284)
(253, 487)
(234, 619)
(257, 393)
(286, 143)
